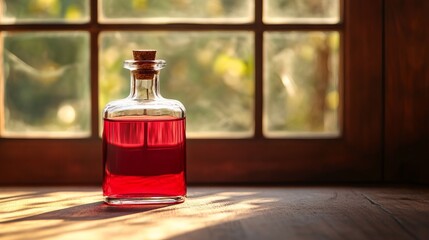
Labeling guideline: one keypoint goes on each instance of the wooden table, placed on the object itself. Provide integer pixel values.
(220, 213)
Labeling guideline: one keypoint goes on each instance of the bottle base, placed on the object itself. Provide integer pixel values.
(143, 200)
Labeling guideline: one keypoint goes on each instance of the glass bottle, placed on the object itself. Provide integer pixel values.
(144, 155)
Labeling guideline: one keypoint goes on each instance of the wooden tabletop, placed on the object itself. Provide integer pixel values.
(220, 213)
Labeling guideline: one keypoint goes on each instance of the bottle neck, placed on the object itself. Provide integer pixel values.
(144, 85)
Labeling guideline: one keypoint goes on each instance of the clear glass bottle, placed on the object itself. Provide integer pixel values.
(144, 154)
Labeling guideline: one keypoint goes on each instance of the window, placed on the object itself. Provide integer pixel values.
(275, 90)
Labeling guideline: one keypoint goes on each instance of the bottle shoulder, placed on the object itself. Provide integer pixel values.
(137, 107)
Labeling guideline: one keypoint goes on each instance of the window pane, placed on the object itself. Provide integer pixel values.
(45, 81)
(195, 11)
(301, 11)
(301, 83)
(35, 11)
(211, 73)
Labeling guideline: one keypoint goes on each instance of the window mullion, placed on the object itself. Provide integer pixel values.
(258, 31)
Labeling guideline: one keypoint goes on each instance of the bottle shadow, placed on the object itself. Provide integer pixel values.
(90, 211)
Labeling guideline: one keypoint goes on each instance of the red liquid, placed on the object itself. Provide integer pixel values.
(144, 158)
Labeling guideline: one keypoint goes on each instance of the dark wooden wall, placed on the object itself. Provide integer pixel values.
(406, 47)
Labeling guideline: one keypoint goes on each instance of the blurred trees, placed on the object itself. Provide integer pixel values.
(45, 11)
(211, 73)
(45, 72)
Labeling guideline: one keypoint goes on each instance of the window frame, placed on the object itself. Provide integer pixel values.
(354, 156)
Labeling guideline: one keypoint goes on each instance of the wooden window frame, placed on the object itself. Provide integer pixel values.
(355, 156)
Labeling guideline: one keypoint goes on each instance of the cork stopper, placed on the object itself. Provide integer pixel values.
(144, 54)
(145, 72)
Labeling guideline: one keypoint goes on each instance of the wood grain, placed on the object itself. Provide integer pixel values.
(220, 213)
(407, 90)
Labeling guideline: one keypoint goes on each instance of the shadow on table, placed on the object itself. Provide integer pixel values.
(91, 211)
(208, 212)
